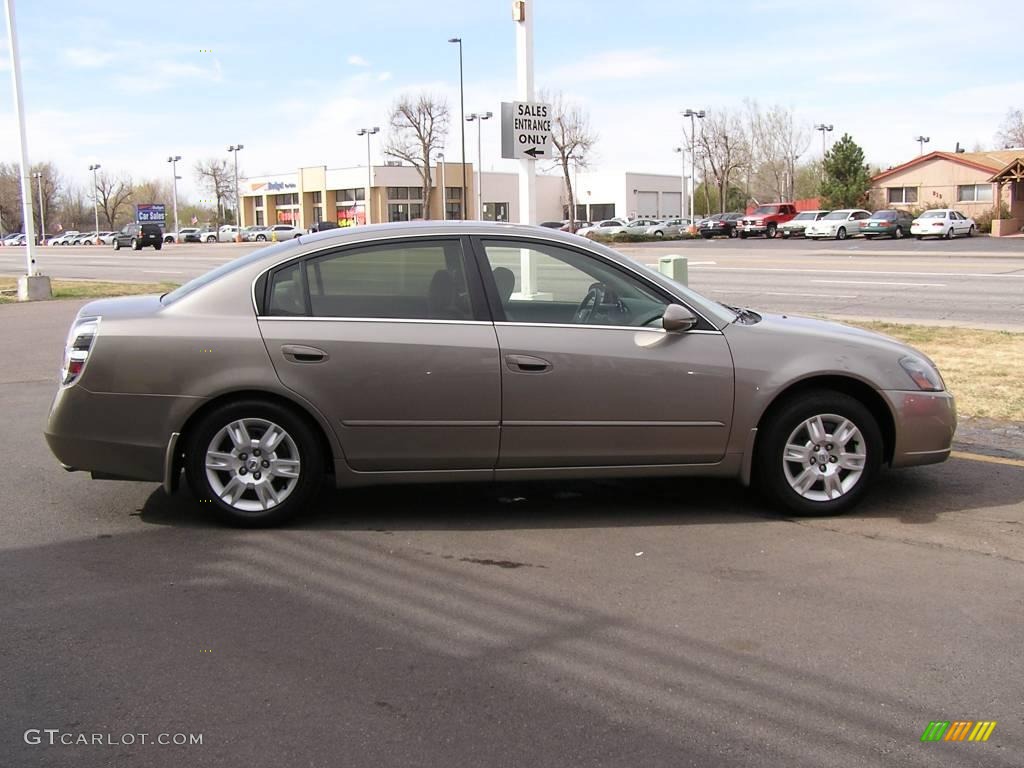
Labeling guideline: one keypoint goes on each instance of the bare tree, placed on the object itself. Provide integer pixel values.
(726, 149)
(573, 140)
(74, 209)
(1011, 133)
(10, 197)
(217, 176)
(418, 126)
(51, 183)
(777, 141)
(114, 194)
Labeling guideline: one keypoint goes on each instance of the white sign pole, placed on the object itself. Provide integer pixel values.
(19, 112)
(527, 166)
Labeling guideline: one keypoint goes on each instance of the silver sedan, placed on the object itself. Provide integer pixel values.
(464, 351)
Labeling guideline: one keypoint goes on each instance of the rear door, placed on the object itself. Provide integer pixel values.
(588, 376)
(391, 340)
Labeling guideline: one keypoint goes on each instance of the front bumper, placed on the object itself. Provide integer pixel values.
(925, 424)
(754, 229)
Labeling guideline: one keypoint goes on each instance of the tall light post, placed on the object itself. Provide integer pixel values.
(694, 115)
(368, 132)
(26, 185)
(444, 198)
(173, 160)
(96, 195)
(921, 141)
(825, 128)
(234, 149)
(682, 175)
(479, 117)
(462, 126)
(38, 176)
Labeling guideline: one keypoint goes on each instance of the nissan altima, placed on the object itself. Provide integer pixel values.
(456, 351)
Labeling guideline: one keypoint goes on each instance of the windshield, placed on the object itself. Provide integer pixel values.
(765, 209)
(837, 216)
(224, 269)
(804, 216)
(933, 215)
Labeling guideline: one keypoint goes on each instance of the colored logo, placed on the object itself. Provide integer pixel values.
(958, 730)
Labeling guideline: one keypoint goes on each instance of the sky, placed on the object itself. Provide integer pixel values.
(294, 80)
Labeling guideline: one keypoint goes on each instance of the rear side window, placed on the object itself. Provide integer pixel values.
(404, 281)
(287, 292)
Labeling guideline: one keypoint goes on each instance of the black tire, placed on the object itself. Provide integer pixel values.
(136, 245)
(841, 234)
(117, 244)
(785, 235)
(970, 232)
(261, 238)
(705, 236)
(948, 235)
(311, 460)
(158, 245)
(898, 234)
(779, 426)
(743, 235)
(771, 231)
(211, 239)
(168, 239)
(733, 233)
(920, 237)
(659, 233)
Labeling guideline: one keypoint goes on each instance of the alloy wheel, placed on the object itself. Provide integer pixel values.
(824, 457)
(253, 465)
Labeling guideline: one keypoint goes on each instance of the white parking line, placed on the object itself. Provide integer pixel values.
(880, 282)
(863, 272)
(160, 272)
(787, 293)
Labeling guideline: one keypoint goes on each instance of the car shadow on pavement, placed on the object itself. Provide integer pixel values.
(912, 496)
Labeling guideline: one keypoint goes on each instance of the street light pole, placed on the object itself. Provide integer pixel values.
(462, 126)
(38, 176)
(479, 117)
(19, 111)
(694, 115)
(921, 141)
(173, 160)
(96, 196)
(235, 149)
(444, 194)
(824, 128)
(368, 132)
(682, 176)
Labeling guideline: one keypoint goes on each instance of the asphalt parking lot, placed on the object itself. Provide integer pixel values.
(643, 623)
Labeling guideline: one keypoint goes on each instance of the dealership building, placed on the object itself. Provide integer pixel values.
(394, 192)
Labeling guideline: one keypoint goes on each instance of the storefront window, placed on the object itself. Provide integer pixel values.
(495, 211)
(288, 216)
(351, 215)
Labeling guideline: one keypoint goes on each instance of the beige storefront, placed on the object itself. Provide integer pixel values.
(970, 182)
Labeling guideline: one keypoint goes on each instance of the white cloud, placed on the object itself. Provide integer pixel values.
(358, 61)
(89, 58)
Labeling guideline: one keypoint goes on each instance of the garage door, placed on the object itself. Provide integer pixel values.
(670, 204)
(647, 203)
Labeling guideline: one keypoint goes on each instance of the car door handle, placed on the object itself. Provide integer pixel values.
(527, 364)
(299, 353)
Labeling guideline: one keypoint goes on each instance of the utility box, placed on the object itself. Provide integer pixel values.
(674, 267)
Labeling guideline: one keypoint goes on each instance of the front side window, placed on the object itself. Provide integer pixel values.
(569, 287)
(405, 281)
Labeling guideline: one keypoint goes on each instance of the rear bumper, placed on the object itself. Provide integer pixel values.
(925, 425)
(112, 436)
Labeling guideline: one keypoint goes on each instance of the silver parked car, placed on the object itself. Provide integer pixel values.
(412, 353)
(668, 228)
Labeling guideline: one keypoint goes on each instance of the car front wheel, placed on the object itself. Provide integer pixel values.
(819, 453)
(117, 244)
(256, 462)
(260, 238)
(970, 232)
(770, 233)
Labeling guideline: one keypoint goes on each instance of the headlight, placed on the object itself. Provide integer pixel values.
(925, 376)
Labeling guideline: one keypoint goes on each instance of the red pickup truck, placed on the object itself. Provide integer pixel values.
(765, 219)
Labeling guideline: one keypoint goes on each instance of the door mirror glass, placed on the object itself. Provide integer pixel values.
(677, 319)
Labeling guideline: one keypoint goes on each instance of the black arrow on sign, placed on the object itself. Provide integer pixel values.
(533, 152)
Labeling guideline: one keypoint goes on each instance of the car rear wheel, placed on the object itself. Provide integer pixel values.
(158, 245)
(261, 238)
(256, 462)
(117, 244)
(733, 233)
(841, 234)
(135, 245)
(659, 233)
(819, 453)
(898, 234)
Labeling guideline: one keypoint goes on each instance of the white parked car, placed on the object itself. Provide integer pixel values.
(942, 222)
(180, 235)
(668, 228)
(278, 232)
(227, 233)
(64, 238)
(839, 224)
(602, 227)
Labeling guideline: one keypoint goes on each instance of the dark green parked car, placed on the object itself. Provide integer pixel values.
(887, 223)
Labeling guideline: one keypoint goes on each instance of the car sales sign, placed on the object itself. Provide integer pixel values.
(525, 130)
(150, 213)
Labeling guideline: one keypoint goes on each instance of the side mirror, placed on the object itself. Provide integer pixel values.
(677, 319)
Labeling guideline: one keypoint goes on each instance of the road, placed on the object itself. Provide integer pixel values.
(977, 282)
(591, 624)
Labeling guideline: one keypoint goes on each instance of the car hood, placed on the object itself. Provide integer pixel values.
(821, 346)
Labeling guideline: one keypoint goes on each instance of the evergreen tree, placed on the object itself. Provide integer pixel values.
(847, 179)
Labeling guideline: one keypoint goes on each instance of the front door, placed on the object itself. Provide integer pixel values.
(385, 339)
(589, 377)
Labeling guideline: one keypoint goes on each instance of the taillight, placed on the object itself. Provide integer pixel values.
(938, 223)
(80, 341)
